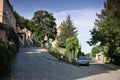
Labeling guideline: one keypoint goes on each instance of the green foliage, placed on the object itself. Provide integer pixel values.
(43, 23)
(12, 53)
(56, 49)
(88, 55)
(67, 30)
(107, 29)
(36, 43)
(104, 50)
(21, 21)
(72, 45)
(14, 38)
(95, 50)
(80, 53)
(6, 59)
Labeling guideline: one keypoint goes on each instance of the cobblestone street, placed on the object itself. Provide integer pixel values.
(38, 64)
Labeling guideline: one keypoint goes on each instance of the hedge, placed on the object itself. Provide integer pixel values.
(7, 56)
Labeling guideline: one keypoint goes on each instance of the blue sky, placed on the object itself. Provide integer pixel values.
(82, 12)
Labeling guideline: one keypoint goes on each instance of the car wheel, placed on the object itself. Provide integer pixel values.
(88, 64)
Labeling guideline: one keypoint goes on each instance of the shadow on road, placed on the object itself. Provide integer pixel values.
(44, 66)
(49, 59)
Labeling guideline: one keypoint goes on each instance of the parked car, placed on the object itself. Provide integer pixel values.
(83, 61)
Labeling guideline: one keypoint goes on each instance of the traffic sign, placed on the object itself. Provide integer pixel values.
(58, 38)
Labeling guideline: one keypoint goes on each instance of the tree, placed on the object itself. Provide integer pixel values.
(80, 53)
(67, 31)
(88, 55)
(95, 50)
(72, 45)
(21, 21)
(43, 23)
(107, 29)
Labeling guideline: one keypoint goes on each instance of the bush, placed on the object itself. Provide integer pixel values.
(117, 60)
(12, 52)
(36, 43)
(6, 59)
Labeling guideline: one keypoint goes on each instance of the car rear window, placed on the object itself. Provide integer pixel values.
(83, 58)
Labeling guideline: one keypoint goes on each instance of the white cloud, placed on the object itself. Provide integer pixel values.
(83, 19)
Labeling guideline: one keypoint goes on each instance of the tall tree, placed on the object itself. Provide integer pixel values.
(43, 23)
(67, 30)
(72, 45)
(21, 21)
(107, 29)
(95, 50)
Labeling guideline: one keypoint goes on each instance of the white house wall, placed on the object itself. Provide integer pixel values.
(2, 35)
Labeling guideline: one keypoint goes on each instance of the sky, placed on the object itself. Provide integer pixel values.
(82, 12)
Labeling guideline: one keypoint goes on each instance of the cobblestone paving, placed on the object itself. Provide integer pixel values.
(38, 64)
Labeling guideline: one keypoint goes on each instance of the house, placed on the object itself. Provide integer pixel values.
(100, 57)
(57, 39)
(27, 33)
(59, 30)
(54, 43)
(7, 21)
(24, 37)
